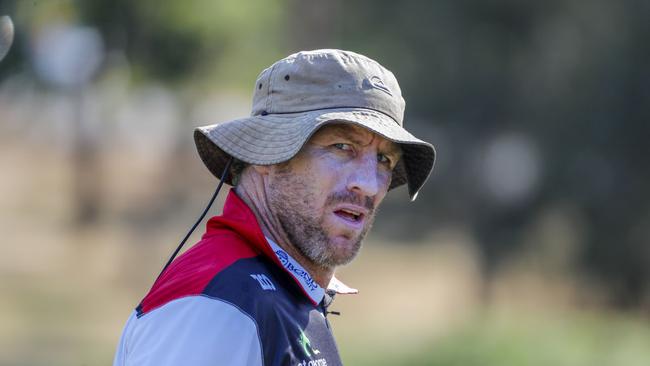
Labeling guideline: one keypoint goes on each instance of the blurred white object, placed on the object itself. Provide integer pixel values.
(67, 55)
(510, 167)
(6, 35)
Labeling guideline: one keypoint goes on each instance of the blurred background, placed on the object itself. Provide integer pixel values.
(529, 245)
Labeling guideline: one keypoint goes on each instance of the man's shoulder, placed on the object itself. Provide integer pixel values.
(194, 270)
(254, 278)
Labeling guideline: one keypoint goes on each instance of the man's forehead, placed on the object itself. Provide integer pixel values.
(351, 131)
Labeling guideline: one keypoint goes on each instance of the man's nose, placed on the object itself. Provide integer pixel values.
(363, 177)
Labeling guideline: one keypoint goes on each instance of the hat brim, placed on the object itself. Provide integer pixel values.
(276, 138)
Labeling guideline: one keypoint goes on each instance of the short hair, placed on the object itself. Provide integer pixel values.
(236, 169)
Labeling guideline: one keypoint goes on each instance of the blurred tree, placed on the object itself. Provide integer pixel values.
(192, 41)
(572, 76)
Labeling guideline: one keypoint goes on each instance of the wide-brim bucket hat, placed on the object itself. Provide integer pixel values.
(301, 93)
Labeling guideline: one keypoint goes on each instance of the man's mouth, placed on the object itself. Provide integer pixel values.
(351, 215)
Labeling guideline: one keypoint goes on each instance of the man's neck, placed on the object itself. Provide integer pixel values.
(252, 193)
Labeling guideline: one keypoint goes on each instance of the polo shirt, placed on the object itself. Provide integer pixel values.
(234, 298)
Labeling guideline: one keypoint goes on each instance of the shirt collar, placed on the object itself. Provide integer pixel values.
(238, 217)
(304, 279)
(313, 290)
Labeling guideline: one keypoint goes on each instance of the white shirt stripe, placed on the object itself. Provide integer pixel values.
(194, 330)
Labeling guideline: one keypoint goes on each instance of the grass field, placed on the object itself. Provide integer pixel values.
(569, 340)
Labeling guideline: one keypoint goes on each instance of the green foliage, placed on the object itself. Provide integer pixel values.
(195, 41)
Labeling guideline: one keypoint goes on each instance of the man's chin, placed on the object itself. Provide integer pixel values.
(344, 239)
(344, 249)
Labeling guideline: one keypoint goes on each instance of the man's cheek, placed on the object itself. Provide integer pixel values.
(384, 178)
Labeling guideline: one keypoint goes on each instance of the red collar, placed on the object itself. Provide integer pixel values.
(238, 217)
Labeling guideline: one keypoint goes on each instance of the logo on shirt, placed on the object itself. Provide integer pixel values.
(308, 284)
(310, 352)
(306, 345)
(264, 281)
(296, 270)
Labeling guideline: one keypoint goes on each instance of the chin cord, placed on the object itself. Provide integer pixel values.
(226, 169)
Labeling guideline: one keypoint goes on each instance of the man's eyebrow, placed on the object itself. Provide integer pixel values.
(346, 133)
(352, 135)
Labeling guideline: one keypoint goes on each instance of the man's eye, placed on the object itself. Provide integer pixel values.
(382, 158)
(342, 146)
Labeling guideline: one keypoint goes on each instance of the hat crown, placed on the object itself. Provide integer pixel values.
(327, 79)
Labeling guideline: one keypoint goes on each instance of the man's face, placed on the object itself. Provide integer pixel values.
(326, 196)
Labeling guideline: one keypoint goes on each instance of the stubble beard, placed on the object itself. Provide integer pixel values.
(291, 200)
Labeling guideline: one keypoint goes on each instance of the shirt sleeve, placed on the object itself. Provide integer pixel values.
(195, 330)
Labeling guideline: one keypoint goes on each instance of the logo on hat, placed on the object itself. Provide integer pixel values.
(375, 82)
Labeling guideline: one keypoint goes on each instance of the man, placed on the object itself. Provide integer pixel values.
(322, 147)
